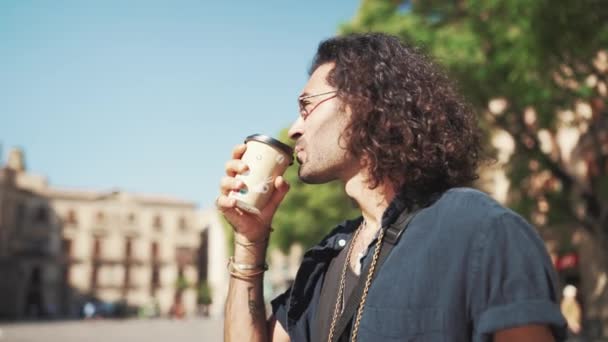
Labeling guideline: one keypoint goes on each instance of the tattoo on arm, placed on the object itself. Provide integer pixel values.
(256, 308)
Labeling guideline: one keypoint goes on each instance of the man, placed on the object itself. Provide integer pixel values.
(377, 115)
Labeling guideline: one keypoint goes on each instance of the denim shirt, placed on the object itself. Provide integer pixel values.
(465, 268)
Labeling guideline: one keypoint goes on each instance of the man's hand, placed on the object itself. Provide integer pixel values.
(250, 227)
(245, 316)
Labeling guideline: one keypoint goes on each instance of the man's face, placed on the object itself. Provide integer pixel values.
(320, 147)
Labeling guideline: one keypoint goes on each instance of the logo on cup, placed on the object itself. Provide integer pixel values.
(263, 187)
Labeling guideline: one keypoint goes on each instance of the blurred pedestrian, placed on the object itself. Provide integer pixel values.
(177, 310)
(88, 310)
(571, 309)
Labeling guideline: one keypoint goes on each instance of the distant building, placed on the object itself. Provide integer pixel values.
(60, 248)
(30, 245)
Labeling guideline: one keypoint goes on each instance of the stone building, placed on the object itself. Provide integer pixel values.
(30, 245)
(60, 248)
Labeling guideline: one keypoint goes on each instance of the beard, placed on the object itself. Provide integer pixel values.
(321, 171)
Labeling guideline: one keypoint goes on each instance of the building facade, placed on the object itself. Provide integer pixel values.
(30, 246)
(103, 246)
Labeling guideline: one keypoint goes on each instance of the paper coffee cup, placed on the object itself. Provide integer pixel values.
(267, 158)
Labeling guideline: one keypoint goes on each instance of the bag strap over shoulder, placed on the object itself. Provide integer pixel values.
(391, 237)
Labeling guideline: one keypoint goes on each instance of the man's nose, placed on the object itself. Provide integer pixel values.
(295, 131)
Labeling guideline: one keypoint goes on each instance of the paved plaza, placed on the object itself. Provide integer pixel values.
(153, 330)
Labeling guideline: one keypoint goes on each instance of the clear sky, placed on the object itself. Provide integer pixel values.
(151, 96)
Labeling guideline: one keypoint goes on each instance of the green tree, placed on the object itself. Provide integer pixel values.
(309, 212)
(181, 283)
(204, 295)
(537, 70)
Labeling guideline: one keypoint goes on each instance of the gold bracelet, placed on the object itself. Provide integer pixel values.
(246, 267)
(253, 243)
(250, 271)
(245, 276)
(249, 244)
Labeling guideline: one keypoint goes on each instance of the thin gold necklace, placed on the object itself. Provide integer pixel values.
(339, 307)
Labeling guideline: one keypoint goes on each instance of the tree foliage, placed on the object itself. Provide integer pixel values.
(536, 70)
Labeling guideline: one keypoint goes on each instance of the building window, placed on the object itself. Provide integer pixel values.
(154, 251)
(70, 218)
(42, 215)
(66, 251)
(128, 256)
(95, 264)
(203, 255)
(66, 248)
(100, 217)
(20, 216)
(184, 256)
(97, 248)
(155, 281)
(129, 248)
(157, 223)
(94, 277)
(155, 277)
(182, 224)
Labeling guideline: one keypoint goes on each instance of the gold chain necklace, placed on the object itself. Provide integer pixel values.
(339, 307)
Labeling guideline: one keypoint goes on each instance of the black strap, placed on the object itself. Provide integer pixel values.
(391, 237)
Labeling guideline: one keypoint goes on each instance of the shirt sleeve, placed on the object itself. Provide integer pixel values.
(279, 307)
(513, 281)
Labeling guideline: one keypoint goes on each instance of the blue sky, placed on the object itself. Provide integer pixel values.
(151, 96)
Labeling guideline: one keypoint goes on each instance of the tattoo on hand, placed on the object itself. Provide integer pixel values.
(256, 308)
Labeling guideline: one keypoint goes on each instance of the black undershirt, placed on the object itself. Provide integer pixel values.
(329, 294)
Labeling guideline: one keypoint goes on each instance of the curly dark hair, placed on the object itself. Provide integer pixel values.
(408, 120)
